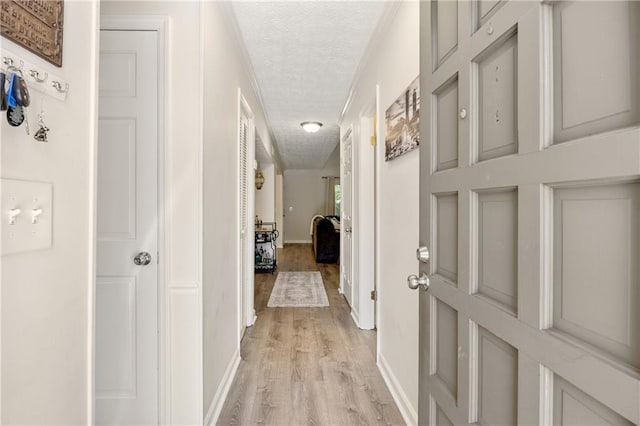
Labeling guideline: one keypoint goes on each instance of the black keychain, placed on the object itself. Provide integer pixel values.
(20, 91)
(15, 116)
(3, 92)
(18, 99)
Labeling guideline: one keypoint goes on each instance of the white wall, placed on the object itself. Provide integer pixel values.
(183, 169)
(266, 197)
(46, 295)
(393, 63)
(304, 191)
(225, 71)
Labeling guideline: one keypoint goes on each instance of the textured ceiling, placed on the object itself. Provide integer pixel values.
(305, 55)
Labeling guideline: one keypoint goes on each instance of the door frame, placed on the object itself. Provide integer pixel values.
(365, 212)
(246, 309)
(159, 24)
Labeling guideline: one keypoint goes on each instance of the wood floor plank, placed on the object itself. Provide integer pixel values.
(307, 366)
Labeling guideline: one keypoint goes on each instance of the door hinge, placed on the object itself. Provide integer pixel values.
(374, 295)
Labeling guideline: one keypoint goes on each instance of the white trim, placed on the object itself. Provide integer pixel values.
(161, 25)
(355, 317)
(298, 242)
(93, 211)
(376, 208)
(407, 410)
(220, 397)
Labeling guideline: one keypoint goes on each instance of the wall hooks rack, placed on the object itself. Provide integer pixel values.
(37, 79)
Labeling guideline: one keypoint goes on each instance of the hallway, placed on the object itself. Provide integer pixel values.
(307, 365)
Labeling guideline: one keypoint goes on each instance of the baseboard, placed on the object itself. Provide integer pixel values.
(223, 390)
(355, 317)
(298, 242)
(408, 412)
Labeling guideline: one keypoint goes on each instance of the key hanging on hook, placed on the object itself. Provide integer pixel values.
(41, 133)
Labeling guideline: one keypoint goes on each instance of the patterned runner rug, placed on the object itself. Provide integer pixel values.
(298, 290)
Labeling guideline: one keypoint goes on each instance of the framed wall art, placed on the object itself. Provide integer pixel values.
(35, 25)
(402, 121)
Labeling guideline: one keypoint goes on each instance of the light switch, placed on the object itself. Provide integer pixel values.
(26, 214)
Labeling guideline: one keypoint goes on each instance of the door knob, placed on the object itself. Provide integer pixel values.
(421, 282)
(347, 230)
(422, 254)
(142, 259)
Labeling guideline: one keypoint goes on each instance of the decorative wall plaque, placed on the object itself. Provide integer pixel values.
(35, 25)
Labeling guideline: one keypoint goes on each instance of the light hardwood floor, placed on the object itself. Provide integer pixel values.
(307, 366)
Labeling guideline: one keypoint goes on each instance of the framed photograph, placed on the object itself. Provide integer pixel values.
(35, 25)
(402, 121)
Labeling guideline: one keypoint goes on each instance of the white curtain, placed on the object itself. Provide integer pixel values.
(330, 197)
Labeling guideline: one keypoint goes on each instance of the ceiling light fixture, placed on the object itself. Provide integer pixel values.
(311, 126)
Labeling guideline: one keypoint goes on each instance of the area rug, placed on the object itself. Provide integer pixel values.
(298, 290)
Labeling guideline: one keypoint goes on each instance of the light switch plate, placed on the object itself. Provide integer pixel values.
(28, 197)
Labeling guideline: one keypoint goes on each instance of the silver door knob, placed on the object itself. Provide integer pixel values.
(142, 259)
(347, 230)
(422, 254)
(421, 282)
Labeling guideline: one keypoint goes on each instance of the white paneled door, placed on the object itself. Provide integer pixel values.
(530, 206)
(346, 212)
(126, 364)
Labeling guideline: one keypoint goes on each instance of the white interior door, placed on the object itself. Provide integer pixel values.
(126, 364)
(530, 204)
(244, 218)
(346, 225)
(246, 173)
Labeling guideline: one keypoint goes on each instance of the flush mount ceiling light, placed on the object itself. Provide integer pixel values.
(311, 126)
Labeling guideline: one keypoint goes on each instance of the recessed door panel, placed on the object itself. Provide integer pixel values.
(442, 419)
(596, 72)
(116, 337)
(498, 247)
(596, 274)
(120, 66)
(498, 100)
(498, 380)
(447, 347)
(445, 28)
(485, 10)
(117, 178)
(447, 230)
(573, 407)
(447, 125)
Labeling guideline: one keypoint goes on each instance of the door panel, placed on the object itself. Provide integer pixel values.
(126, 364)
(498, 99)
(600, 223)
(532, 312)
(446, 249)
(497, 380)
(573, 407)
(446, 122)
(447, 347)
(498, 247)
(446, 28)
(608, 66)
